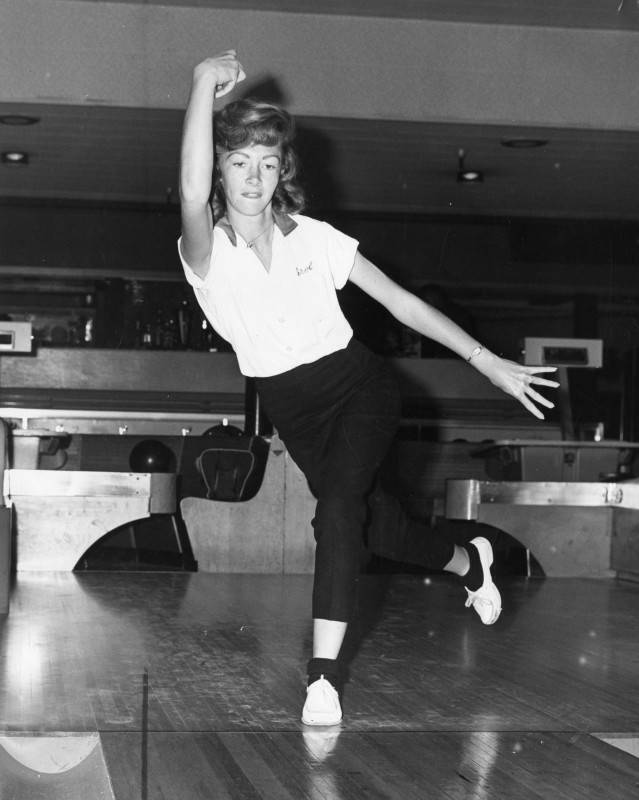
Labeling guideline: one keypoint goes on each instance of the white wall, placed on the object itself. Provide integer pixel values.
(361, 67)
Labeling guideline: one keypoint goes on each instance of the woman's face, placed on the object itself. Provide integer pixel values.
(250, 176)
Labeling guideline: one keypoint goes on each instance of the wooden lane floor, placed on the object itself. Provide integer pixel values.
(194, 683)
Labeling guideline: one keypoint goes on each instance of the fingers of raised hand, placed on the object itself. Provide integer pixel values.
(224, 69)
(227, 83)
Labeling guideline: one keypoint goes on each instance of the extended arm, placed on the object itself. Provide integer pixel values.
(510, 377)
(212, 78)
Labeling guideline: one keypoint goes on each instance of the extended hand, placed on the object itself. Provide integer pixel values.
(225, 70)
(520, 382)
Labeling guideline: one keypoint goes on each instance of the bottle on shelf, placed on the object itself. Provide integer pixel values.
(88, 332)
(147, 336)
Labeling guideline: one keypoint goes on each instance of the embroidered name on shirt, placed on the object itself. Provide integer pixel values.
(304, 270)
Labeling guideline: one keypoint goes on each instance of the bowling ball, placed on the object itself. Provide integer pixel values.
(230, 431)
(150, 455)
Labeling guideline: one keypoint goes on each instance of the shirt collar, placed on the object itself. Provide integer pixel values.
(284, 222)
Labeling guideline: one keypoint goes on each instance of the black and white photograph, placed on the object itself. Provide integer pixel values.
(319, 400)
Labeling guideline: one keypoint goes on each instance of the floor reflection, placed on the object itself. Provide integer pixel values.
(479, 752)
(323, 776)
(321, 742)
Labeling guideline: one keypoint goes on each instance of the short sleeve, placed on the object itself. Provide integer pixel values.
(192, 278)
(341, 254)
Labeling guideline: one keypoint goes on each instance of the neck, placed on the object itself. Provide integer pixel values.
(250, 227)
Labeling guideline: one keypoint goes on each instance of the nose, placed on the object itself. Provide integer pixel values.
(253, 174)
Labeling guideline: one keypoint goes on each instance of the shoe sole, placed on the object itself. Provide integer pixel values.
(485, 550)
(321, 722)
(326, 718)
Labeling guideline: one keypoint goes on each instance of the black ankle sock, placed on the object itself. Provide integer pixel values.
(474, 578)
(327, 667)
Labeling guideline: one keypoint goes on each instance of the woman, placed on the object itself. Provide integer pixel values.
(266, 278)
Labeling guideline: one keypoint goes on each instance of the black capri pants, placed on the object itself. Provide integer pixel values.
(337, 417)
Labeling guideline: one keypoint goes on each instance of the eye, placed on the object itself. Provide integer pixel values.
(238, 163)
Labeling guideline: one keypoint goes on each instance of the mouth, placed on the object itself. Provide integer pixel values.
(252, 195)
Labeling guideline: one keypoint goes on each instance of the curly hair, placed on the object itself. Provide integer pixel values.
(248, 122)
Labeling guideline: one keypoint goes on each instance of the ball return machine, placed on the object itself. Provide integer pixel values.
(573, 504)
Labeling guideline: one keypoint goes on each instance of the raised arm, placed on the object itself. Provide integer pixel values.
(212, 78)
(512, 378)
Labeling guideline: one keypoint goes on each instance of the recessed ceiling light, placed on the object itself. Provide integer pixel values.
(470, 176)
(18, 119)
(523, 143)
(15, 158)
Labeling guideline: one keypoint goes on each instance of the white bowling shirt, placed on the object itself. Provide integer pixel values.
(288, 316)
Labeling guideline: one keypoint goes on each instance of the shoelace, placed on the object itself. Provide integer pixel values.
(326, 688)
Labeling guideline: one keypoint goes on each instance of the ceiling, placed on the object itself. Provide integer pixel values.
(110, 152)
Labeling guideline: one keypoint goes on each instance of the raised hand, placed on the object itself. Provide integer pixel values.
(224, 71)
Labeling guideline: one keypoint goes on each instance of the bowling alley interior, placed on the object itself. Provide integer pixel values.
(156, 541)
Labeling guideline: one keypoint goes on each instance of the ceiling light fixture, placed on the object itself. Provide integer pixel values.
(15, 158)
(523, 143)
(465, 175)
(18, 119)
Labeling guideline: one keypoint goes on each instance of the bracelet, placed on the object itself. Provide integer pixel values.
(475, 352)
